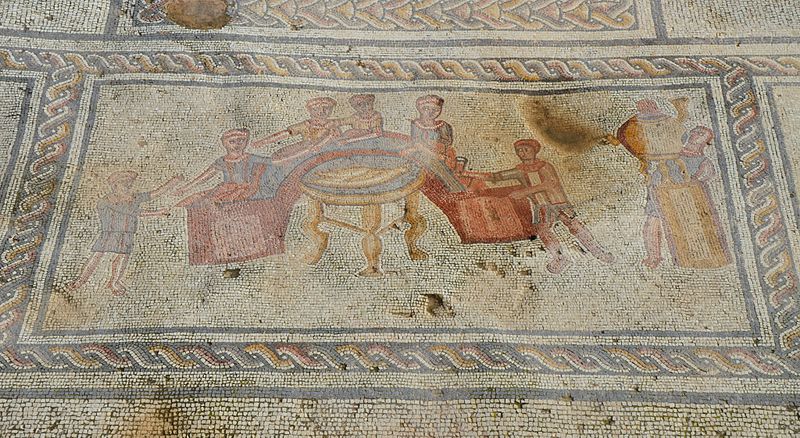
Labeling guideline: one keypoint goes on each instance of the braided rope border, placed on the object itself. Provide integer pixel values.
(361, 357)
(410, 16)
(67, 71)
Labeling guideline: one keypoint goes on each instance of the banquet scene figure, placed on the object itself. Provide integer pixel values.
(119, 211)
(365, 122)
(244, 175)
(431, 142)
(316, 131)
(239, 219)
(679, 205)
(429, 133)
(540, 184)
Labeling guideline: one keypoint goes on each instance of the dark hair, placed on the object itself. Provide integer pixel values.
(439, 100)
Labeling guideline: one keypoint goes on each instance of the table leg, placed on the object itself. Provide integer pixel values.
(418, 225)
(319, 237)
(371, 242)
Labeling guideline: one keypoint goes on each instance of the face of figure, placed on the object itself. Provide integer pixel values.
(429, 111)
(526, 153)
(235, 144)
(124, 185)
(363, 107)
(320, 111)
(698, 140)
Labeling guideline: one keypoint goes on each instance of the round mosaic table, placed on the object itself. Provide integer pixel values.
(366, 181)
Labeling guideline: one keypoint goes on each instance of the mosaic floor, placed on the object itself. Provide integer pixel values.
(399, 218)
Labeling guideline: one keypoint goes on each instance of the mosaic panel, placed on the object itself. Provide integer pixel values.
(414, 218)
(724, 19)
(56, 16)
(454, 270)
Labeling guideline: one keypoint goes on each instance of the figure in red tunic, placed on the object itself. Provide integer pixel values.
(542, 187)
(318, 130)
(240, 218)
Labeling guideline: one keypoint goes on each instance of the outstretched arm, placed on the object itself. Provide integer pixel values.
(548, 178)
(527, 191)
(200, 179)
(274, 138)
(166, 187)
(159, 212)
(338, 123)
(507, 175)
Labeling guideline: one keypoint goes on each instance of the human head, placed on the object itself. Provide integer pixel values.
(698, 138)
(236, 140)
(320, 107)
(527, 148)
(362, 103)
(430, 106)
(122, 179)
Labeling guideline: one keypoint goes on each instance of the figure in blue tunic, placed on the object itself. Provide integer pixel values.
(244, 176)
(119, 212)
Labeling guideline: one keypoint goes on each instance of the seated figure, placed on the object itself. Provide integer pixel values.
(240, 218)
(244, 176)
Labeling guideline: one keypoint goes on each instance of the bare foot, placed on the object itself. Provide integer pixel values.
(371, 272)
(418, 254)
(604, 256)
(118, 289)
(558, 265)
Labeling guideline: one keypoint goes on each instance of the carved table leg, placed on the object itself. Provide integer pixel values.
(418, 227)
(371, 242)
(319, 237)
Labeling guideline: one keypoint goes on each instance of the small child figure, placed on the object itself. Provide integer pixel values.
(365, 122)
(542, 186)
(119, 211)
